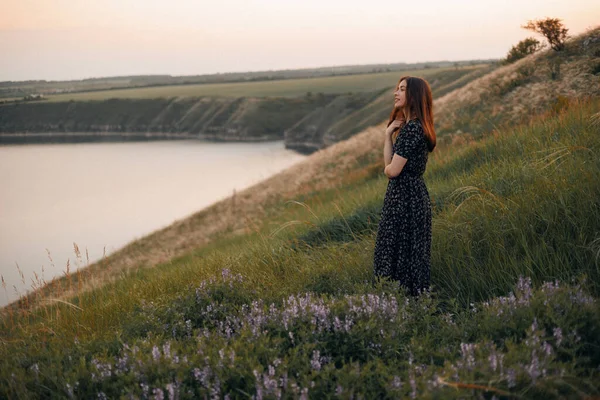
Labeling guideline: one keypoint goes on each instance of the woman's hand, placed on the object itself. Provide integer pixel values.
(397, 123)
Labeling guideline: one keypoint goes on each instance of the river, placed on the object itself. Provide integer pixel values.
(104, 195)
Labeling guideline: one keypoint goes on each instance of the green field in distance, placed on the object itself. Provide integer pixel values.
(279, 88)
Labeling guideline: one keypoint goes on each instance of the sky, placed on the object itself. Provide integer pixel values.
(77, 39)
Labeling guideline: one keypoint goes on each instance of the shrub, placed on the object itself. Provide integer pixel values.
(552, 29)
(523, 48)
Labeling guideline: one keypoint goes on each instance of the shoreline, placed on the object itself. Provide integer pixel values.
(21, 138)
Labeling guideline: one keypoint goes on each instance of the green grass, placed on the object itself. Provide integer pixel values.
(520, 203)
(281, 88)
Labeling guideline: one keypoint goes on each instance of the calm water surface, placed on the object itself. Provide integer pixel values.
(107, 194)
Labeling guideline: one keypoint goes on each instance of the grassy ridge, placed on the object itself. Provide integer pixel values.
(18, 89)
(520, 203)
(282, 88)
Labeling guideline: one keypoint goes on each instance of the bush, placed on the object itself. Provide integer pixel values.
(523, 48)
(552, 29)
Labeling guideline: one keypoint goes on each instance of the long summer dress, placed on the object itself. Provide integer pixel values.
(403, 242)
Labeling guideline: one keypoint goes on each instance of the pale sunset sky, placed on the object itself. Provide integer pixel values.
(75, 39)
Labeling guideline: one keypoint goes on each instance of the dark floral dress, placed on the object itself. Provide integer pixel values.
(403, 242)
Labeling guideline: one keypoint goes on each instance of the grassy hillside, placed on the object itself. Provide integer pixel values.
(277, 88)
(348, 115)
(326, 169)
(16, 90)
(513, 93)
(270, 293)
(291, 307)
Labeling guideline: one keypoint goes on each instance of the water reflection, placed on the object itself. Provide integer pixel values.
(103, 195)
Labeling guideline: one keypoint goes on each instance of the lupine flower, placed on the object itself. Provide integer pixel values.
(337, 324)
(304, 394)
(315, 362)
(581, 298)
(145, 389)
(103, 369)
(511, 378)
(215, 390)
(533, 367)
(493, 361)
(523, 291)
(188, 327)
(155, 353)
(468, 357)
(547, 348)
(171, 391)
(558, 335)
(203, 376)
(396, 382)
(348, 322)
(158, 394)
(283, 381)
(413, 384)
(533, 335)
(122, 364)
(258, 385)
(339, 390)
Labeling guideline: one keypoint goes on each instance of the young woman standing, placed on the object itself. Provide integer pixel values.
(403, 242)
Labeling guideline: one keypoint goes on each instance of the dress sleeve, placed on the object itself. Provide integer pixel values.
(408, 140)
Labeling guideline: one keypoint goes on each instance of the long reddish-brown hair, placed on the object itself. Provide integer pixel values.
(418, 104)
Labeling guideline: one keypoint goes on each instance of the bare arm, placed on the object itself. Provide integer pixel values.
(387, 150)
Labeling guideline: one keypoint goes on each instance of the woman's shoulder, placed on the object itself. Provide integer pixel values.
(414, 125)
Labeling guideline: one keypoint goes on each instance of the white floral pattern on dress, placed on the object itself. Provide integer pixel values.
(403, 242)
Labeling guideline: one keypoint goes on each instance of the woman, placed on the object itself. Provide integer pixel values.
(403, 242)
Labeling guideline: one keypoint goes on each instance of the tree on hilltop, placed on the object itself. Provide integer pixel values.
(523, 48)
(552, 29)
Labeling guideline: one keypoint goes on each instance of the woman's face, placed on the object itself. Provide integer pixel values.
(400, 94)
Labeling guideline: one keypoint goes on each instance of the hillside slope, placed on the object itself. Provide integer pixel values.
(292, 309)
(355, 158)
(514, 92)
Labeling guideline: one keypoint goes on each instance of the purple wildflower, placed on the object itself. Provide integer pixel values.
(315, 361)
(145, 389)
(259, 395)
(511, 377)
(558, 335)
(493, 361)
(533, 367)
(547, 348)
(155, 353)
(304, 394)
(413, 384)
(122, 364)
(467, 350)
(158, 394)
(171, 391)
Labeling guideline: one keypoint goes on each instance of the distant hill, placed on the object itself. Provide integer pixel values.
(308, 114)
(19, 89)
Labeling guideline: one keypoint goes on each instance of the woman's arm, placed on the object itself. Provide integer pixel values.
(387, 144)
(387, 150)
